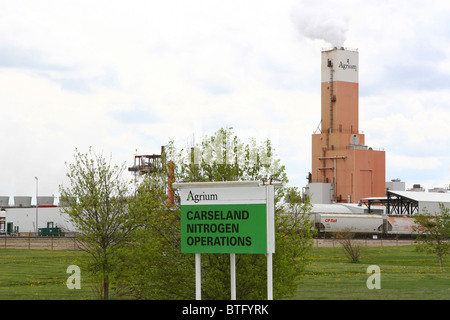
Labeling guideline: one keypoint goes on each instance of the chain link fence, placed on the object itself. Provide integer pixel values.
(70, 242)
(33, 242)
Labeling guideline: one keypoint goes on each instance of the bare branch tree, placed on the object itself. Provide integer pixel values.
(351, 248)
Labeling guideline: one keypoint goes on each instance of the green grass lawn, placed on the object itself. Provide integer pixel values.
(39, 274)
(405, 274)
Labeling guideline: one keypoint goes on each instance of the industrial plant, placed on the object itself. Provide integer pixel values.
(346, 185)
(344, 168)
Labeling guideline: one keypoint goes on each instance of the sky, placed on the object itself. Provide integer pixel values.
(126, 76)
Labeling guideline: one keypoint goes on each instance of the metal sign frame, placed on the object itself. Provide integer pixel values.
(228, 197)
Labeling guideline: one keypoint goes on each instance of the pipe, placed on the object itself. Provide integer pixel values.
(335, 157)
(323, 168)
(171, 178)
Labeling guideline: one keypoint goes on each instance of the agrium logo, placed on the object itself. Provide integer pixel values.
(199, 197)
(347, 65)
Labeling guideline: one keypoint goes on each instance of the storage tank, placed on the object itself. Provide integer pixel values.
(22, 202)
(45, 200)
(4, 201)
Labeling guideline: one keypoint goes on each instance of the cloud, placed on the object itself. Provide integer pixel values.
(324, 20)
(400, 49)
(416, 163)
(412, 128)
(13, 56)
(41, 126)
(410, 123)
(124, 76)
(428, 171)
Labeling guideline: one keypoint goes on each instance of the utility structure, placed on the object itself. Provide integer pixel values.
(147, 164)
(344, 169)
(154, 163)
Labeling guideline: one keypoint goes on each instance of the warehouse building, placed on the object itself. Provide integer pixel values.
(22, 218)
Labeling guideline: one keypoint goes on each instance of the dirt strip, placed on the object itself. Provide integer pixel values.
(364, 242)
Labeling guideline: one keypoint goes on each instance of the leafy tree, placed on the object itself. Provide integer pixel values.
(152, 265)
(434, 232)
(96, 201)
(224, 157)
(294, 239)
(161, 271)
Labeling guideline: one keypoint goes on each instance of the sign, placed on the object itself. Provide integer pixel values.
(226, 228)
(345, 65)
(226, 218)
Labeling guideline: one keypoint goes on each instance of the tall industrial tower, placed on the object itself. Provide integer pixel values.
(344, 169)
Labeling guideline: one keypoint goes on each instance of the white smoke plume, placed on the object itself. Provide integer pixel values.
(321, 19)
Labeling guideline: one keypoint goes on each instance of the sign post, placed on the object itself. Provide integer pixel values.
(233, 275)
(198, 276)
(227, 217)
(270, 196)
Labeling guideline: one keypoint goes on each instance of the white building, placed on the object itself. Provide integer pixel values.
(24, 219)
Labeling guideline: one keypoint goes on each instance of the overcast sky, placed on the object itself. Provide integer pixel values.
(127, 75)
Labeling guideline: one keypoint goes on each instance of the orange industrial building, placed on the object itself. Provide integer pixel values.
(344, 168)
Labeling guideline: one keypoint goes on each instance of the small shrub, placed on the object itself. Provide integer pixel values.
(351, 249)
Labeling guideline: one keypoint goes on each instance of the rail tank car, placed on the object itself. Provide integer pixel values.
(328, 219)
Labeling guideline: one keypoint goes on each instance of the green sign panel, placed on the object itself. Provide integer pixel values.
(224, 228)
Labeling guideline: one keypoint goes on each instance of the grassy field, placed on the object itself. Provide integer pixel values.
(405, 274)
(39, 274)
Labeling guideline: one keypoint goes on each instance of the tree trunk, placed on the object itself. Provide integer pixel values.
(105, 288)
(441, 262)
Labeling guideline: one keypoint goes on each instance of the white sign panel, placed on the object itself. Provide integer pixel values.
(344, 65)
(237, 195)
